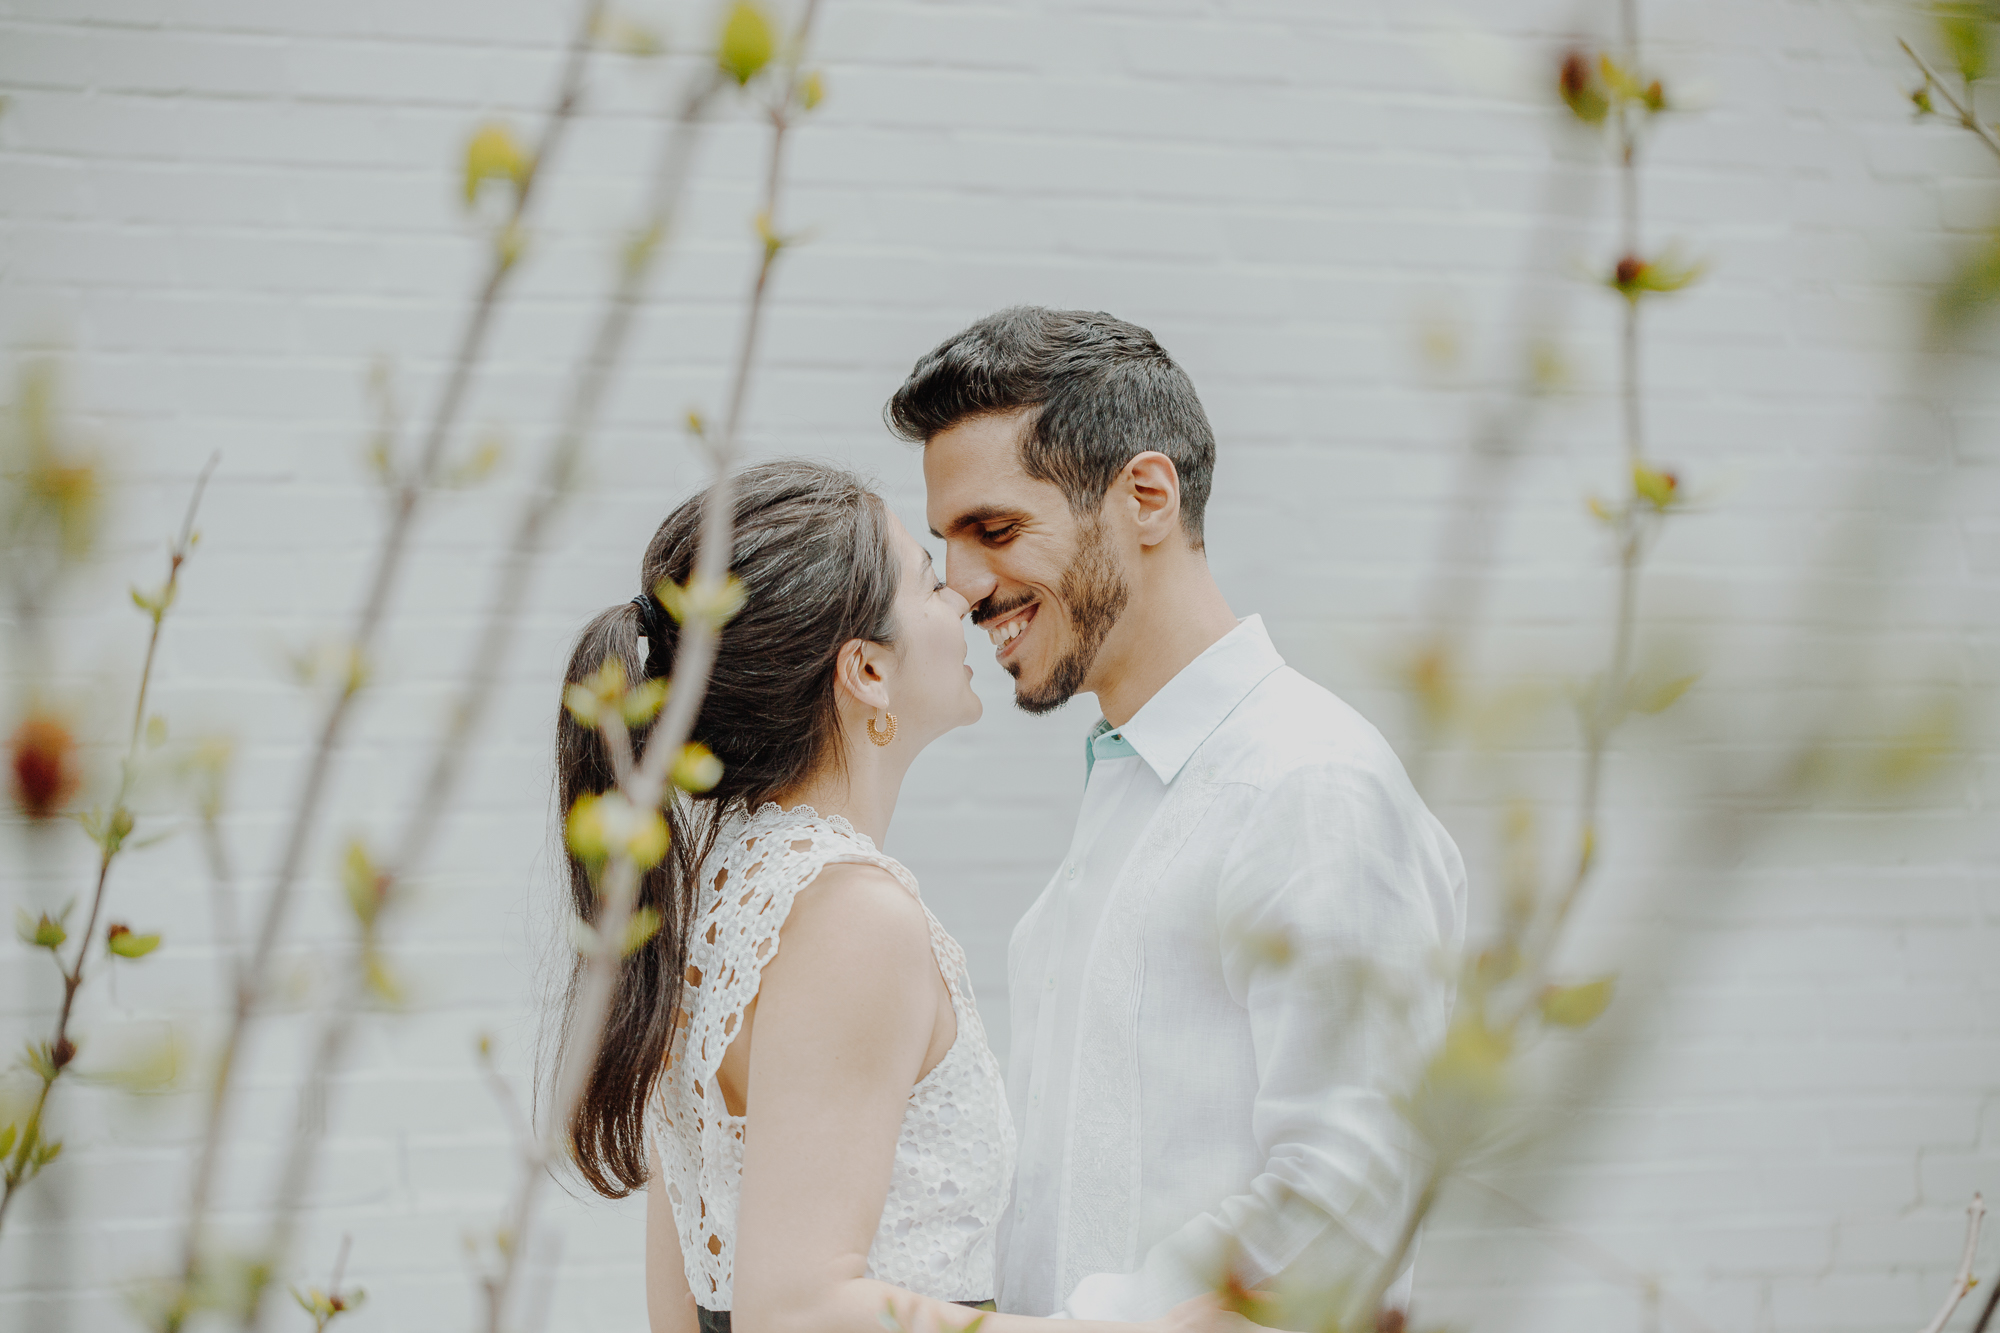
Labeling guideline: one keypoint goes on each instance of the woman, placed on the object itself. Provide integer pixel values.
(795, 960)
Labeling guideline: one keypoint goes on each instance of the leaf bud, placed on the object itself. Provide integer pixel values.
(1658, 488)
(45, 766)
(1581, 92)
(45, 932)
(493, 154)
(122, 941)
(747, 42)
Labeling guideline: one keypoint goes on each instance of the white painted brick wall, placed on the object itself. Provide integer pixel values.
(219, 213)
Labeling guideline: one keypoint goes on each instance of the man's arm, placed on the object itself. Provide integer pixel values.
(1337, 901)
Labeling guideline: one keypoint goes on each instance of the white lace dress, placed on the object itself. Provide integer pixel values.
(955, 1155)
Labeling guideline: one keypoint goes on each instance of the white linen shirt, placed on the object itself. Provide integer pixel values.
(1179, 1100)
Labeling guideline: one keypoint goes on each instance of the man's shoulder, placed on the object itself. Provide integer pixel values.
(1291, 726)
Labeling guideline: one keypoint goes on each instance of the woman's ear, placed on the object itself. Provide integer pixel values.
(861, 671)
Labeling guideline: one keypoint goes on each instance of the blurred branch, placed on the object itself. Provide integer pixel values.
(1964, 110)
(495, 638)
(1594, 1256)
(1980, 1324)
(1507, 987)
(1975, 1213)
(111, 830)
(390, 559)
(644, 786)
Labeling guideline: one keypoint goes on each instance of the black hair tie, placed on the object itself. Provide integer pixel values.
(649, 613)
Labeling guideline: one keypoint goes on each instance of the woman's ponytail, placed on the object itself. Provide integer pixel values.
(610, 1149)
(812, 546)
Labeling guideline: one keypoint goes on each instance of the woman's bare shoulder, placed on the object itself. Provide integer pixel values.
(853, 903)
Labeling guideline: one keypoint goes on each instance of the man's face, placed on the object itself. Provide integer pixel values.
(1045, 586)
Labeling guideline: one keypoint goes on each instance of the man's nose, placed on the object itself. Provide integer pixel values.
(967, 574)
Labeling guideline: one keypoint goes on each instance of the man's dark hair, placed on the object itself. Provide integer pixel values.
(1104, 391)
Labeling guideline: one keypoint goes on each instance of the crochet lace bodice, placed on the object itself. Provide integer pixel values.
(955, 1156)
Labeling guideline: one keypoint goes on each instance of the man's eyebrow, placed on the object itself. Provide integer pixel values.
(981, 514)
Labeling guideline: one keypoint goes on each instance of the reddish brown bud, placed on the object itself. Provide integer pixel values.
(1575, 73)
(1577, 83)
(63, 1052)
(1629, 269)
(116, 929)
(1390, 1321)
(45, 766)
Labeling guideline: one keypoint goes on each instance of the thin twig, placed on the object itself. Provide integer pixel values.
(1965, 114)
(492, 644)
(1607, 706)
(1594, 1256)
(694, 657)
(1362, 1315)
(1975, 1213)
(1986, 1311)
(390, 558)
(61, 1050)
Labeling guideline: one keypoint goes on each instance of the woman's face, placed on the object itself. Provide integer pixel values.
(932, 689)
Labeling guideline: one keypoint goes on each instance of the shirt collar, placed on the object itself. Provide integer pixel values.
(1170, 726)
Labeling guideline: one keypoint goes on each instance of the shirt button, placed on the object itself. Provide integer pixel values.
(1070, 871)
(1052, 983)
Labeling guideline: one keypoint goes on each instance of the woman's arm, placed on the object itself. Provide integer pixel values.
(845, 1013)
(669, 1303)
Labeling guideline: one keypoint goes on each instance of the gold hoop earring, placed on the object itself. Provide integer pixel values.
(882, 737)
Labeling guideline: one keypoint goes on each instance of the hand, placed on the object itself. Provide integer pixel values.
(1204, 1314)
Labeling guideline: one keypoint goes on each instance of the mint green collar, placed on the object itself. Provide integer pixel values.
(1104, 743)
(1170, 726)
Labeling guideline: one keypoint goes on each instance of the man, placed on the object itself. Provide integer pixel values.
(1191, 1088)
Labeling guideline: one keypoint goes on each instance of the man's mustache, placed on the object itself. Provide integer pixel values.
(989, 609)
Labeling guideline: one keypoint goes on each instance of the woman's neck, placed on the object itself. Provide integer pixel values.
(863, 791)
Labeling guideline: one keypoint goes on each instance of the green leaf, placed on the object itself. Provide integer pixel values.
(696, 769)
(493, 154)
(1963, 27)
(1644, 697)
(121, 940)
(706, 601)
(7, 1135)
(640, 927)
(747, 42)
(383, 984)
(366, 886)
(156, 731)
(1576, 1006)
(812, 90)
(642, 703)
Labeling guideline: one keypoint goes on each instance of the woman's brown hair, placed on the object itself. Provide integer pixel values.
(811, 545)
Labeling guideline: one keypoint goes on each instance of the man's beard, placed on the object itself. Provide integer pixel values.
(1093, 592)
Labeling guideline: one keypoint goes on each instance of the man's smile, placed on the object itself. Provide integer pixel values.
(1004, 630)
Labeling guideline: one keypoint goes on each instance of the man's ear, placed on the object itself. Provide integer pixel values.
(861, 670)
(1154, 487)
